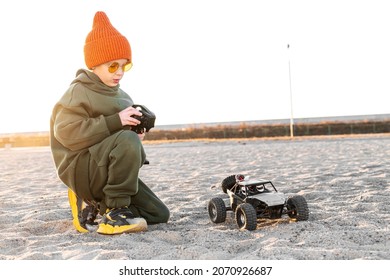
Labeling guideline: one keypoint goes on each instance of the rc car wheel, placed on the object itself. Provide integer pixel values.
(246, 217)
(217, 210)
(297, 208)
(229, 182)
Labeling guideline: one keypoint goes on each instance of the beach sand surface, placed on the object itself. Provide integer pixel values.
(345, 181)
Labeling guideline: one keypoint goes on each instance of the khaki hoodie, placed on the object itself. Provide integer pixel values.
(85, 115)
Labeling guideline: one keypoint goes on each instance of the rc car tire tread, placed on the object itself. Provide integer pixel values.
(298, 205)
(246, 217)
(228, 183)
(217, 210)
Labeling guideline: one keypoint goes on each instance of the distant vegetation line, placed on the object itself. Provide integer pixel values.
(228, 131)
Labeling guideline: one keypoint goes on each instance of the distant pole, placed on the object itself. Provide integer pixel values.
(291, 99)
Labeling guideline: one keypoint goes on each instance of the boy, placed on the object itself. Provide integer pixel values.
(96, 154)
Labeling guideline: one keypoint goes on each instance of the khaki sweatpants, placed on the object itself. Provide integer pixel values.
(113, 170)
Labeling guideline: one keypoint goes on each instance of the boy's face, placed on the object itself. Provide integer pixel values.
(112, 72)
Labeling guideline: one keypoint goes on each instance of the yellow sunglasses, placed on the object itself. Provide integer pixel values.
(113, 67)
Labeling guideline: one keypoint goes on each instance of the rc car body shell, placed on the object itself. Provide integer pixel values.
(266, 192)
(271, 199)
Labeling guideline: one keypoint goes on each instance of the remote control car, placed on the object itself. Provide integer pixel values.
(251, 200)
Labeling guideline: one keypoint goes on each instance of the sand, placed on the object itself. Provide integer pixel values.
(345, 181)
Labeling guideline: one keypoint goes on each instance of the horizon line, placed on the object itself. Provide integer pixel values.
(264, 121)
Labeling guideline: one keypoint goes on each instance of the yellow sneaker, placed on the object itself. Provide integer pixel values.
(121, 220)
(83, 215)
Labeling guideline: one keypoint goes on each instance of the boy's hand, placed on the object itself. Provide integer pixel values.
(126, 116)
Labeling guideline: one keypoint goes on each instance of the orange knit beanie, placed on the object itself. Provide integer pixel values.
(104, 43)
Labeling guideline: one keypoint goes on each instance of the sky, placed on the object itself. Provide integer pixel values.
(200, 61)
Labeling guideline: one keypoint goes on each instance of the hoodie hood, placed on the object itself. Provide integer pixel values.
(91, 81)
